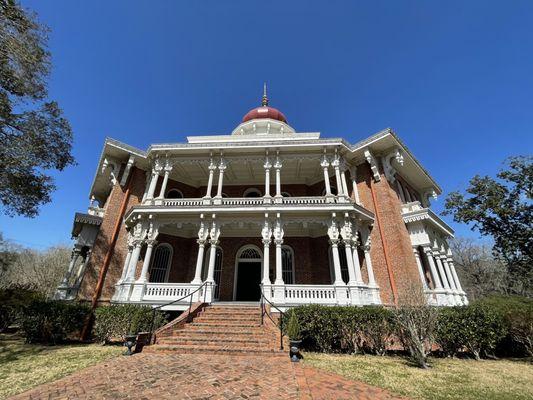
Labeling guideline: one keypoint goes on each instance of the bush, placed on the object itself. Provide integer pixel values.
(517, 315)
(115, 321)
(342, 329)
(50, 321)
(449, 331)
(12, 303)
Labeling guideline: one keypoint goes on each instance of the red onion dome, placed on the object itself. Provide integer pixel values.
(265, 112)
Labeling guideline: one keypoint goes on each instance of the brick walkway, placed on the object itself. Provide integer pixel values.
(203, 376)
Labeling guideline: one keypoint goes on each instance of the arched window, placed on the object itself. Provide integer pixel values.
(287, 265)
(252, 192)
(160, 266)
(343, 261)
(285, 194)
(250, 253)
(174, 194)
(218, 270)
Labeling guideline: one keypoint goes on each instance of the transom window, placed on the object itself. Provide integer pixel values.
(161, 262)
(252, 192)
(250, 253)
(174, 194)
(287, 265)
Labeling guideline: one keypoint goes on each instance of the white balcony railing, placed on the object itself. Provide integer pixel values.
(310, 294)
(245, 201)
(167, 291)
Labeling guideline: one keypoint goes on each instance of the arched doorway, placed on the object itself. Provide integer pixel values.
(248, 274)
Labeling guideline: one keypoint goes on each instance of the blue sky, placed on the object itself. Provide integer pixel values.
(454, 79)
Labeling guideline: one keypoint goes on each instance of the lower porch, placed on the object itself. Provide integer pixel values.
(237, 268)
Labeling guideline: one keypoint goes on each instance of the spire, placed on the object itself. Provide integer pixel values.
(264, 102)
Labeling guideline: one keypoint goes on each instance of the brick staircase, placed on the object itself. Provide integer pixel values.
(227, 329)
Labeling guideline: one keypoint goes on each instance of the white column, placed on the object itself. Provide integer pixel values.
(356, 263)
(369, 268)
(73, 258)
(420, 268)
(441, 270)
(266, 234)
(126, 264)
(221, 169)
(336, 166)
(454, 273)
(267, 167)
(130, 276)
(213, 240)
(277, 167)
(447, 270)
(203, 232)
(153, 183)
(333, 234)
(344, 184)
(353, 175)
(147, 259)
(164, 184)
(279, 266)
(349, 259)
(212, 168)
(432, 268)
(148, 175)
(325, 166)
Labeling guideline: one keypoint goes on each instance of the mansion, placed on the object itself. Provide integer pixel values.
(265, 211)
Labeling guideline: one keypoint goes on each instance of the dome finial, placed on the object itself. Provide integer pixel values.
(264, 102)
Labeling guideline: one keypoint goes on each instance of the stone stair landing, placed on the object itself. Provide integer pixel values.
(224, 329)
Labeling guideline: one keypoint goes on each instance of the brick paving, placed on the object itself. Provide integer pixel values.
(203, 376)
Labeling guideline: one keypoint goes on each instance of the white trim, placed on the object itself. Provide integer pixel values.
(238, 259)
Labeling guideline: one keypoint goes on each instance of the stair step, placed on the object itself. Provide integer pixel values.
(226, 323)
(212, 349)
(216, 341)
(220, 330)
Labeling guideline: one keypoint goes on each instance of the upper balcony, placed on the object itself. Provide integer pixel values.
(251, 205)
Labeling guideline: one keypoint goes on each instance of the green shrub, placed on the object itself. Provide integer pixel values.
(481, 328)
(517, 314)
(342, 329)
(49, 321)
(449, 330)
(293, 328)
(12, 303)
(115, 321)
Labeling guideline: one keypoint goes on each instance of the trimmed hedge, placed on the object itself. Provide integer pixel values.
(12, 303)
(343, 329)
(115, 321)
(477, 328)
(51, 322)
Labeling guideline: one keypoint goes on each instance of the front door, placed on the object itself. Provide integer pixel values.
(248, 281)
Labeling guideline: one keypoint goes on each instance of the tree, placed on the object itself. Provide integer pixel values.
(503, 209)
(480, 273)
(34, 135)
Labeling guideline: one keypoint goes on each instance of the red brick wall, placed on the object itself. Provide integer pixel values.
(104, 237)
(398, 244)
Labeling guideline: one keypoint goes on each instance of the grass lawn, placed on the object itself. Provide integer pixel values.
(24, 366)
(446, 379)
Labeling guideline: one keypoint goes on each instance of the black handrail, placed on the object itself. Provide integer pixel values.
(154, 309)
(263, 312)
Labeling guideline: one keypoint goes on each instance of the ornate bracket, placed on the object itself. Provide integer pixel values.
(373, 165)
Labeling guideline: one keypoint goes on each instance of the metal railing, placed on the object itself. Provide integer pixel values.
(154, 309)
(263, 312)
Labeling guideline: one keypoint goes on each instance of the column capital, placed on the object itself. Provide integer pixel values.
(201, 242)
(334, 242)
(266, 242)
(267, 164)
(324, 162)
(214, 242)
(151, 242)
(278, 242)
(278, 164)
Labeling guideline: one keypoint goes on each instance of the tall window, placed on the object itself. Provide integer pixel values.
(218, 270)
(252, 192)
(343, 262)
(160, 266)
(287, 264)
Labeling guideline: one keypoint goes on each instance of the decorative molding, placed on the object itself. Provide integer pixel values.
(373, 165)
